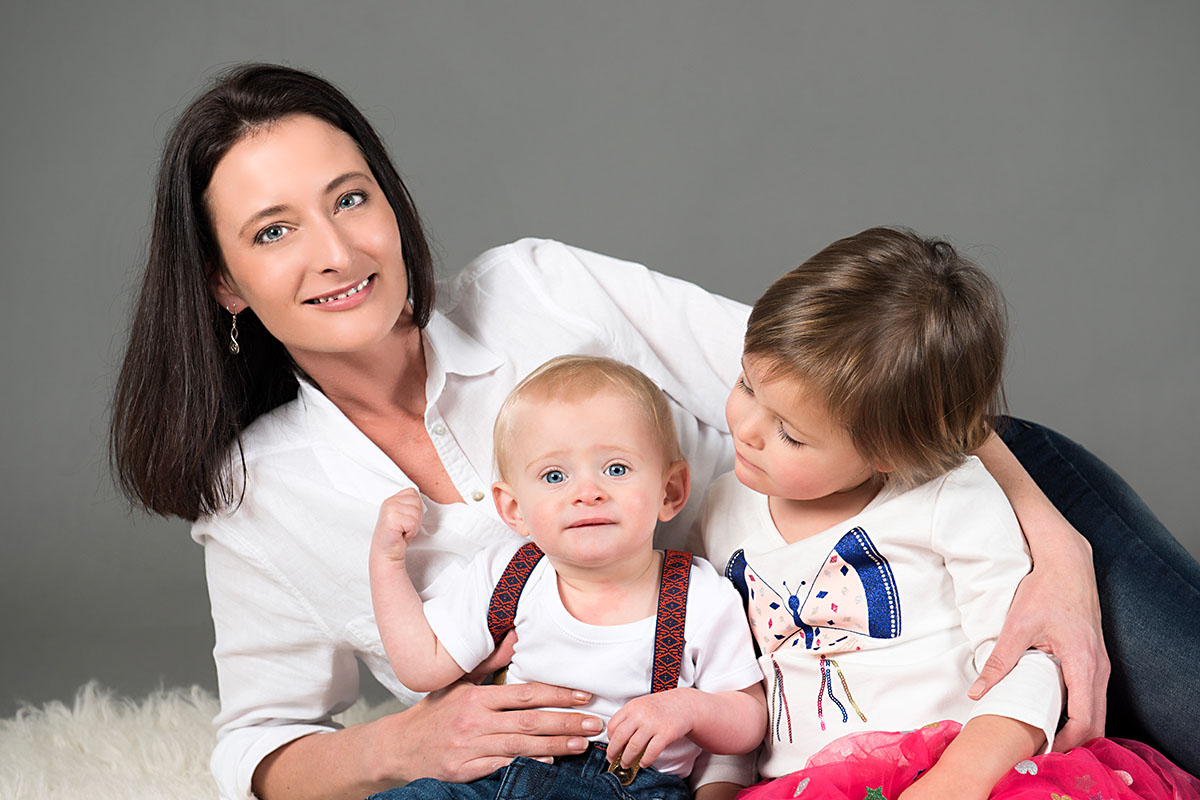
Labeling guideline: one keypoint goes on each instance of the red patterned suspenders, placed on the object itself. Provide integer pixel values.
(672, 605)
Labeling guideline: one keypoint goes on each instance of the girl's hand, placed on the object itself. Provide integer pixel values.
(1056, 609)
(464, 732)
(399, 521)
(646, 725)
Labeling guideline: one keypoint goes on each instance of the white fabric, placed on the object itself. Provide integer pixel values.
(613, 662)
(956, 554)
(287, 569)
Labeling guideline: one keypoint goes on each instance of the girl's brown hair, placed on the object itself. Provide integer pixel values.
(902, 336)
(181, 399)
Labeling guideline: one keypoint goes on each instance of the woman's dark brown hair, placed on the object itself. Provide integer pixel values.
(182, 399)
(901, 336)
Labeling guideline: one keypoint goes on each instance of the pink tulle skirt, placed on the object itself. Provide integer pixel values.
(879, 766)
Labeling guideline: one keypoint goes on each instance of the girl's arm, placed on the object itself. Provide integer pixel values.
(720, 722)
(413, 649)
(986, 748)
(1056, 607)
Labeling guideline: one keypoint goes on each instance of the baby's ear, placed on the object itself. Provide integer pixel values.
(506, 506)
(677, 488)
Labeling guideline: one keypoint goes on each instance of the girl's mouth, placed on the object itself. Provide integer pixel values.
(343, 294)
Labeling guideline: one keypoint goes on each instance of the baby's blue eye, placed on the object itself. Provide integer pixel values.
(554, 476)
(350, 200)
(615, 470)
(271, 233)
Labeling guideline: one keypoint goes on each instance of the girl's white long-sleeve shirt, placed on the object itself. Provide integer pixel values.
(882, 622)
(287, 568)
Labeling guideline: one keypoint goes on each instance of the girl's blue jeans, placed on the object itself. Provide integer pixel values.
(1149, 592)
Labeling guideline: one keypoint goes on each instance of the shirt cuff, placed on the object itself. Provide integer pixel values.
(238, 754)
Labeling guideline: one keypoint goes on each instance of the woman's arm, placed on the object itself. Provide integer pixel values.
(1056, 607)
(460, 733)
(412, 647)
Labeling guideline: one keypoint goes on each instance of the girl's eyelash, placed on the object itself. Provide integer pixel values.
(741, 384)
(789, 441)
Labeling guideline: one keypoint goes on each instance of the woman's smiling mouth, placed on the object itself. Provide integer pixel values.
(353, 290)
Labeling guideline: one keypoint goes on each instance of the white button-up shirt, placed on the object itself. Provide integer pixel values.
(287, 568)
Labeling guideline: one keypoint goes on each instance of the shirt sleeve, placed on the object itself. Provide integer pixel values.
(683, 336)
(279, 674)
(976, 532)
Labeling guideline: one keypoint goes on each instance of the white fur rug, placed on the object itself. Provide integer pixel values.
(105, 747)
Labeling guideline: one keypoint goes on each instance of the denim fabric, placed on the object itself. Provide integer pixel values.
(1149, 592)
(581, 777)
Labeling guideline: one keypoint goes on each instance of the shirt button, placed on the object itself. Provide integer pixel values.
(439, 429)
(477, 495)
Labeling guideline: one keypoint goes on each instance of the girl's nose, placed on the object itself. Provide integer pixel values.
(748, 432)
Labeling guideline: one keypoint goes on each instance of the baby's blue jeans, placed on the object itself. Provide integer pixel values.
(581, 777)
(1149, 592)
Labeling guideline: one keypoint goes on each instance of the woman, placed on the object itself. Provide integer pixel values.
(287, 370)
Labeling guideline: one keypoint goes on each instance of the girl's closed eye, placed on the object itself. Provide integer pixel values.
(745, 387)
(788, 440)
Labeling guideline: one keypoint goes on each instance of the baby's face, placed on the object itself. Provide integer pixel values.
(786, 442)
(588, 481)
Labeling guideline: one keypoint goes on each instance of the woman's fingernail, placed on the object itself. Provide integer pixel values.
(545, 759)
(582, 697)
(976, 689)
(592, 725)
(576, 744)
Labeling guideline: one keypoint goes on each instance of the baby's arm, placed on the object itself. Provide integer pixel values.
(985, 749)
(416, 655)
(719, 722)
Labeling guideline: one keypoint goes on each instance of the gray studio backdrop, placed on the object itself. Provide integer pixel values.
(720, 142)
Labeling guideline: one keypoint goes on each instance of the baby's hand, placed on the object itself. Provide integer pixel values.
(646, 725)
(399, 521)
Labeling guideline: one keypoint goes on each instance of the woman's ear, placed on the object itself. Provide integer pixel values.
(678, 485)
(224, 292)
(506, 506)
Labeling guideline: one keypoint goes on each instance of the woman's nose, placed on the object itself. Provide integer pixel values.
(333, 252)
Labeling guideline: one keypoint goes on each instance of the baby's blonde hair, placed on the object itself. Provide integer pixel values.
(577, 377)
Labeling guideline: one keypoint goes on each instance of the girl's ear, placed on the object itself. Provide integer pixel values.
(223, 291)
(506, 505)
(678, 486)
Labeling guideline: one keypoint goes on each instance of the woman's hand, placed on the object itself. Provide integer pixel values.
(464, 731)
(1056, 609)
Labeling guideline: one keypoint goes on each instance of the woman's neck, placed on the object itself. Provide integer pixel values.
(384, 379)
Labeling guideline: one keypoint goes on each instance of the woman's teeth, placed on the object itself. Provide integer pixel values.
(347, 293)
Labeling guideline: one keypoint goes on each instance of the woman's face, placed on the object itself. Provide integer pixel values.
(307, 237)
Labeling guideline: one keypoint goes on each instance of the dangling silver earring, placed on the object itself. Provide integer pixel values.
(234, 347)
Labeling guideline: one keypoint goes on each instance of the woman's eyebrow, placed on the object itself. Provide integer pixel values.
(269, 211)
(345, 177)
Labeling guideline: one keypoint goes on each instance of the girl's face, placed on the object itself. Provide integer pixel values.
(307, 238)
(787, 445)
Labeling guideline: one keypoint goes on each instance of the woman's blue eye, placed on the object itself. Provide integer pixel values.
(615, 470)
(350, 200)
(271, 233)
(554, 476)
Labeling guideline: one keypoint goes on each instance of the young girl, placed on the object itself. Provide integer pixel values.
(876, 559)
(590, 463)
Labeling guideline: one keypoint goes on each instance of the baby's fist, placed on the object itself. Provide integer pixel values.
(399, 521)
